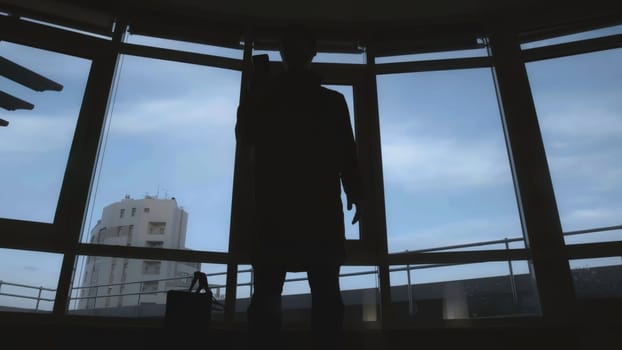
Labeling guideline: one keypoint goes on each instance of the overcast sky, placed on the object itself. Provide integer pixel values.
(446, 171)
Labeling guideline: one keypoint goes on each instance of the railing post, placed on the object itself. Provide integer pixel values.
(512, 280)
(38, 298)
(140, 291)
(410, 293)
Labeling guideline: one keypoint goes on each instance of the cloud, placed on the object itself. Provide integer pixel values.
(583, 173)
(591, 217)
(417, 163)
(187, 114)
(36, 133)
(582, 143)
(64, 69)
(578, 122)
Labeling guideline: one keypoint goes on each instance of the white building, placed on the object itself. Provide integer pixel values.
(115, 282)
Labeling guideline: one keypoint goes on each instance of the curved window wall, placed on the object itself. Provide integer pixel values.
(164, 177)
(161, 194)
(576, 91)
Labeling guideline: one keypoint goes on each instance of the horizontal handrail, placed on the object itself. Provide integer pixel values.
(21, 296)
(151, 280)
(406, 268)
(26, 286)
(211, 286)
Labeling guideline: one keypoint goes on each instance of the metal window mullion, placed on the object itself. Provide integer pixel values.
(28, 235)
(134, 252)
(181, 56)
(433, 65)
(460, 257)
(594, 250)
(75, 189)
(373, 221)
(50, 38)
(573, 48)
(241, 203)
(536, 199)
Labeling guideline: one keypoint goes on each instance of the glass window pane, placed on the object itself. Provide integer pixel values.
(165, 170)
(122, 287)
(361, 296)
(66, 28)
(574, 37)
(34, 147)
(447, 177)
(437, 292)
(28, 280)
(333, 57)
(598, 277)
(579, 109)
(481, 52)
(184, 46)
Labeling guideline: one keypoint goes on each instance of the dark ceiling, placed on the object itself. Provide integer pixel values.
(346, 19)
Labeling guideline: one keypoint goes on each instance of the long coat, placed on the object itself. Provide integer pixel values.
(304, 151)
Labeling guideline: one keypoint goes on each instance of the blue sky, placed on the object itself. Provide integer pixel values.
(446, 171)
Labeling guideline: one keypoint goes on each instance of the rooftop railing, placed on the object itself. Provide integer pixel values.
(218, 289)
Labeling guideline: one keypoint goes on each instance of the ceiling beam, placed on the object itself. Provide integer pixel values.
(27, 77)
(11, 103)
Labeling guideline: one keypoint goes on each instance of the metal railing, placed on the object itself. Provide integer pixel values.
(182, 281)
(218, 288)
(39, 292)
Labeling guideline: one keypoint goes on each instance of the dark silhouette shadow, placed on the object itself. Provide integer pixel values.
(303, 150)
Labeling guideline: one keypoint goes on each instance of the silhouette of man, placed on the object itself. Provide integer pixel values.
(303, 152)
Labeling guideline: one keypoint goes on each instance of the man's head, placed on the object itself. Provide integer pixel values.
(298, 47)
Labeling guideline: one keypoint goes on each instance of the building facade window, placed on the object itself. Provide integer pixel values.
(149, 286)
(157, 228)
(151, 267)
(154, 244)
(122, 213)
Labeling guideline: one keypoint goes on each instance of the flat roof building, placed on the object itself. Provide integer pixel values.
(149, 222)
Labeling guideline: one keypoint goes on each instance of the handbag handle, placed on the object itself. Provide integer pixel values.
(199, 278)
